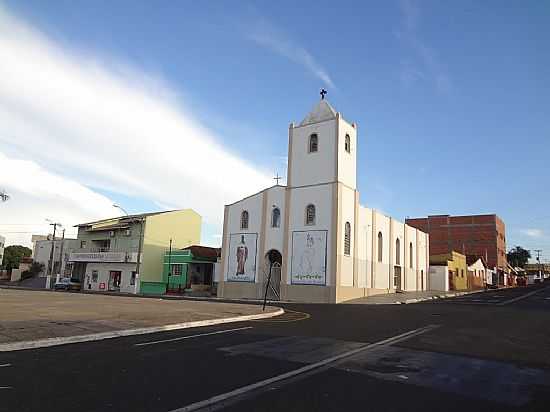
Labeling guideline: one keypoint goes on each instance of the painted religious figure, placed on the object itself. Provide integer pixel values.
(242, 255)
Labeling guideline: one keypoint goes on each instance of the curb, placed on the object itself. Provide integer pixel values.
(43, 343)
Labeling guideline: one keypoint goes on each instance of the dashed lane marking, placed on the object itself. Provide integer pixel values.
(5, 365)
(6, 387)
(191, 336)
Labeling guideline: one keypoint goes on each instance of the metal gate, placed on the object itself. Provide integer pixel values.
(274, 282)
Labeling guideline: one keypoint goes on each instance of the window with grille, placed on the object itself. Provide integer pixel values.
(310, 215)
(244, 219)
(347, 239)
(313, 143)
(276, 217)
(348, 144)
(380, 246)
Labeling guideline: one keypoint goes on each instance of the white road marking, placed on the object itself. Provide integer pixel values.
(520, 297)
(191, 336)
(5, 365)
(207, 403)
(6, 387)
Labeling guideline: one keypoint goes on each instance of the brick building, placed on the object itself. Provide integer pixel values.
(478, 235)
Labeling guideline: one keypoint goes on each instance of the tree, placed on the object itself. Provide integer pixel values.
(13, 255)
(518, 256)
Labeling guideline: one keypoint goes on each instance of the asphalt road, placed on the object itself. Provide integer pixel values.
(487, 351)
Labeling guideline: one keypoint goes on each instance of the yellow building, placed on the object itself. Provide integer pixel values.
(456, 269)
(126, 253)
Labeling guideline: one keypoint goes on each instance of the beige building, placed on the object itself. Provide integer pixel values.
(313, 236)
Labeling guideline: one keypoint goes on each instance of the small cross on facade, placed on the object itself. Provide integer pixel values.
(323, 92)
(277, 178)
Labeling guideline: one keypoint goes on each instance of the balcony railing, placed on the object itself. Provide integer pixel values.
(128, 255)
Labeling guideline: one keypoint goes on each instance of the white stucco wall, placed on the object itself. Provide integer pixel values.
(347, 172)
(411, 274)
(274, 235)
(439, 279)
(382, 276)
(364, 247)
(103, 270)
(423, 260)
(318, 167)
(322, 198)
(347, 215)
(253, 205)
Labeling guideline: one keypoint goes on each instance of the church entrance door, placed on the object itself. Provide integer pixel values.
(274, 260)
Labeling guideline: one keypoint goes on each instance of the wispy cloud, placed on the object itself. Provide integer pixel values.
(267, 35)
(96, 123)
(535, 233)
(425, 64)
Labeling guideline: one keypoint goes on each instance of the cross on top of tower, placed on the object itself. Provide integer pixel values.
(277, 178)
(322, 93)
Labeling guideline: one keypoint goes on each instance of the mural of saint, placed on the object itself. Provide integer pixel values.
(308, 255)
(242, 255)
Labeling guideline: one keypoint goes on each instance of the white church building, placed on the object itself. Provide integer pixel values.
(312, 237)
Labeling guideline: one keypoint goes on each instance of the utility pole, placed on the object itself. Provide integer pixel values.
(541, 272)
(169, 266)
(50, 269)
(61, 266)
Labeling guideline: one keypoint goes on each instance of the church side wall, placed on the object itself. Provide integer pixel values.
(382, 269)
(313, 167)
(411, 266)
(423, 259)
(398, 232)
(364, 248)
(347, 214)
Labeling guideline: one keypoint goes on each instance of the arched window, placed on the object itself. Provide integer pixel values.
(276, 217)
(380, 246)
(244, 219)
(347, 144)
(347, 239)
(397, 252)
(411, 255)
(310, 215)
(313, 143)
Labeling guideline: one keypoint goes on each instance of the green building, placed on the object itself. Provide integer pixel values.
(191, 269)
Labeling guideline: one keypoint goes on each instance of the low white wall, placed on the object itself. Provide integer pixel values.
(439, 280)
(103, 276)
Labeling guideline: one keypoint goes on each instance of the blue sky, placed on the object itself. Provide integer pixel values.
(452, 99)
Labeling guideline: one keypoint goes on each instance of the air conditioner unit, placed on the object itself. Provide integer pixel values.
(112, 233)
(127, 232)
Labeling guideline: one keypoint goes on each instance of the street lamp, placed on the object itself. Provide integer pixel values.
(121, 208)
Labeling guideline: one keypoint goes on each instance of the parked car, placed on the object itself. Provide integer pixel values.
(67, 284)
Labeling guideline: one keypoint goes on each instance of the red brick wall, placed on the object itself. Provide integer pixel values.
(482, 235)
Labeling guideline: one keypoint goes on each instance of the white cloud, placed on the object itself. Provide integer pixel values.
(532, 232)
(109, 126)
(426, 64)
(268, 36)
(36, 195)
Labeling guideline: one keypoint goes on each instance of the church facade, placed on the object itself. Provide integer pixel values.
(312, 238)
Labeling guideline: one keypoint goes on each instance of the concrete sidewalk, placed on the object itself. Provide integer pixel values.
(42, 318)
(408, 297)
